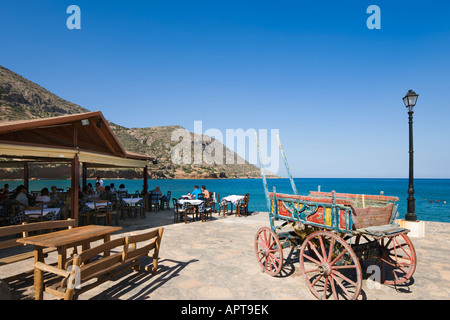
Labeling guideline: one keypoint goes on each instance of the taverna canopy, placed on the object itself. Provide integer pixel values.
(76, 139)
(86, 135)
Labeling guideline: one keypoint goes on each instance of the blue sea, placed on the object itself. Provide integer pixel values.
(426, 190)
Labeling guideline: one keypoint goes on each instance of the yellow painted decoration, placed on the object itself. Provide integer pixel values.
(328, 216)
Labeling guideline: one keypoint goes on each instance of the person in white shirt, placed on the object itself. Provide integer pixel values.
(21, 197)
(100, 181)
(44, 197)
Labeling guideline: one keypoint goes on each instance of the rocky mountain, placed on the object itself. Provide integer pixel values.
(21, 99)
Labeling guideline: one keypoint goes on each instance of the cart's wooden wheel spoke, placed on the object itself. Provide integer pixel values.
(313, 270)
(322, 275)
(330, 253)
(325, 287)
(397, 259)
(343, 267)
(313, 247)
(389, 263)
(348, 294)
(340, 275)
(339, 257)
(269, 252)
(311, 259)
(333, 290)
(401, 246)
(316, 280)
(324, 255)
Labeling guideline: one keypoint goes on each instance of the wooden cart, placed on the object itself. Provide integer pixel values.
(340, 236)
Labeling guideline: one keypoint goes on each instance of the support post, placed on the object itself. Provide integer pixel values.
(84, 175)
(26, 175)
(145, 191)
(74, 188)
(145, 179)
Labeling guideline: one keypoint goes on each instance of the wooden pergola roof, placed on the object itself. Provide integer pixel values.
(80, 138)
(63, 137)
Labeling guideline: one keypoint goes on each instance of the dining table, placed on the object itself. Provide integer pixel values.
(65, 239)
(131, 203)
(132, 200)
(92, 204)
(233, 199)
(193, 202)
(52, 214)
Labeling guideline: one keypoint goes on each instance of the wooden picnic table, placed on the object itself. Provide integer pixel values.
(70, 238)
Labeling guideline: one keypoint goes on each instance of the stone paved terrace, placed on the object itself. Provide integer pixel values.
(215, 260)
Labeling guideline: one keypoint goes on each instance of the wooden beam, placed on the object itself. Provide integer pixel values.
(104, 160)
(106, 141)
(84, 175)
(74, 188)
(145, 179)
(46, 122)
(145, 191)
(26, 175)
(84, 144)
(75, 135)
(35, 151)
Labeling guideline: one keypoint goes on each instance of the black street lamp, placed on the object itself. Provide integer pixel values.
(410, 101)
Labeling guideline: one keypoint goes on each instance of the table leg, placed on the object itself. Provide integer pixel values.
(62, 252)
(38, 274)
(106, 238)
(86, 245)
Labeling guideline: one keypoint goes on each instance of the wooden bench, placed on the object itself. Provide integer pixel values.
(10, 234)
(99, 263)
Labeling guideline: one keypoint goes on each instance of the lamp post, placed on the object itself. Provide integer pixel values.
(410, 101)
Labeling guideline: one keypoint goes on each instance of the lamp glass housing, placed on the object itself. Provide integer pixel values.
(410, 99)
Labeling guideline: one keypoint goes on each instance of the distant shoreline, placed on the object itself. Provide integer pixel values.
(148, 179)
(50, 179)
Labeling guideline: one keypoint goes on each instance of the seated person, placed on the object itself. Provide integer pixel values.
(3, 195)
(206, 193)
(99, 189)
(112, 188)
(5, 189)
(197, 193)
(82, 195)
(53, 193)
(157, 191)
(90, 190)
(122, 188)
(108, 195)
(44, 197)
(20, 196)
(100, 181)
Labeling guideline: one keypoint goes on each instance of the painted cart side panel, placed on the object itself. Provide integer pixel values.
(320, 214)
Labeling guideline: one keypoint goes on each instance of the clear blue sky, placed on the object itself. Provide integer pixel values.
(311, 69)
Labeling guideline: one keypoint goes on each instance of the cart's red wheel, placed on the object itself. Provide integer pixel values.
(397, 260)
(330, 267)
(269, 252)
